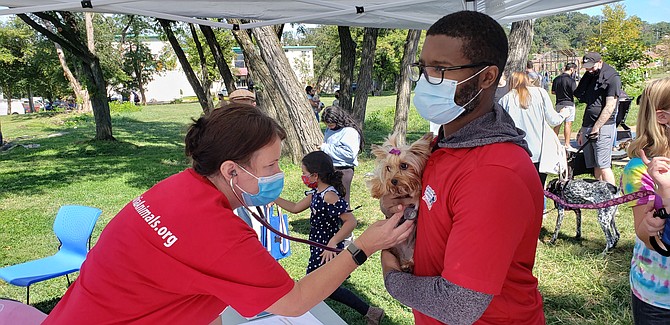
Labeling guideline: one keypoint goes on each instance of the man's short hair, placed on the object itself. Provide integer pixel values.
(484, 40)
(529, 64)
(570, 66)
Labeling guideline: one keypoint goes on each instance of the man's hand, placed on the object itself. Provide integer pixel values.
(579, 138)
(595, 132)
(389, 262)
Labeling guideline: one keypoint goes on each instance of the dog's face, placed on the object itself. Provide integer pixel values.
(399, 167)
(555, 186)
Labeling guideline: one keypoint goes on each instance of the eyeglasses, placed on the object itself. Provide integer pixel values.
(417, 69)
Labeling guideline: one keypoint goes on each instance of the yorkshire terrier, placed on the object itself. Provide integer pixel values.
(398, 172)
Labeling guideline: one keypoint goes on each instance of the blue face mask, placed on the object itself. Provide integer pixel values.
(269, 189)
(436, 103)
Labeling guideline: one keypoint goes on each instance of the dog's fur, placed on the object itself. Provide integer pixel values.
(587, 191)
(398, 173)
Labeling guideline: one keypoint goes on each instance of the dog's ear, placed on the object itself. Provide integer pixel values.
(375, 186)
(421, 147)
(613, 189)
(379, 151)
(428, 136)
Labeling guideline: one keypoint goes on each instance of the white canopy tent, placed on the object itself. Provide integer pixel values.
(415, 14)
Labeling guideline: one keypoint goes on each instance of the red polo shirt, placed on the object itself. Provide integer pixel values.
(478, 226)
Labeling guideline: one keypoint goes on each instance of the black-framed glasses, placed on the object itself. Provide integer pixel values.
(417, 69)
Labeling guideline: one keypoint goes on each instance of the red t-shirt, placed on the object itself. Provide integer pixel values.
(478, 226)
(175, 255)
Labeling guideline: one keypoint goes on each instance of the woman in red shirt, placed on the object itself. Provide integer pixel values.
(177, 254)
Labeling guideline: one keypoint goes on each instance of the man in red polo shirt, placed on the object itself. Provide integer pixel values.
(481, 208)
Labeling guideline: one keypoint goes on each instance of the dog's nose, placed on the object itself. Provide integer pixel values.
(394, 182)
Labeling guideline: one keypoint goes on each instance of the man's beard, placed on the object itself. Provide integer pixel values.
(467, 92)
(595, 72)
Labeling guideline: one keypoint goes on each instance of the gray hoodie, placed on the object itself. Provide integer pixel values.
(493, 127)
